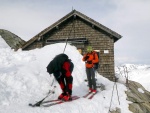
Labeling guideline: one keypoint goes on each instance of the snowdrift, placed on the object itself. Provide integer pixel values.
(24, 80)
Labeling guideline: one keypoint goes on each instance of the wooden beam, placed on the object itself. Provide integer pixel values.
(70, 40)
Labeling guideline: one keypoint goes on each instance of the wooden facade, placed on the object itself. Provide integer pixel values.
(80, 31)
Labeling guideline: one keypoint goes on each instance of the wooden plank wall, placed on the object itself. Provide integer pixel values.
(98, 39)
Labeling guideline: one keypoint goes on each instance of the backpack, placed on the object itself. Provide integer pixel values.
(96, 65)
(55, 66)
(56, 63)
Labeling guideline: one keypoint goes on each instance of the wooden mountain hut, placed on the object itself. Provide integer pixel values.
(80, 31)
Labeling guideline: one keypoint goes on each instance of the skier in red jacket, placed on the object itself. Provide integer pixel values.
(90, 58)
(62, 67)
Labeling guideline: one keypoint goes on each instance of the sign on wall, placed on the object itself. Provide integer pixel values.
(106, 51)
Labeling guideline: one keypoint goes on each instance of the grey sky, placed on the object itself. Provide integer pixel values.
(130, 18)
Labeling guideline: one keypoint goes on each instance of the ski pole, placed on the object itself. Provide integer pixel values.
(39, 102)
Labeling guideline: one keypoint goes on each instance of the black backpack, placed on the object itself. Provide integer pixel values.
(96, 65)
(56, 64)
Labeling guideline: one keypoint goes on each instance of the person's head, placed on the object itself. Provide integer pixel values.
(89, 49)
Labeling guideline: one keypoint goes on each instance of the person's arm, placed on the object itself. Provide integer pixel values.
(85, 57)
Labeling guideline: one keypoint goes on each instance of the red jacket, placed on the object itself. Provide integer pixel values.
(92, 58)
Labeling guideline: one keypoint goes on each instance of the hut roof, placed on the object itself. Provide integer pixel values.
(115, 35)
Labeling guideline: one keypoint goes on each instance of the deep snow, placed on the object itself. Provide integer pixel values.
(24, 80)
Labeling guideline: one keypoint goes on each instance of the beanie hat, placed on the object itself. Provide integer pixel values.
(89, 49)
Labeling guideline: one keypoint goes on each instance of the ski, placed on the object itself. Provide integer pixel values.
(92, 95)
(55, 100)
(86, 95)
(35, 105)
(59, 102)
(39, 102)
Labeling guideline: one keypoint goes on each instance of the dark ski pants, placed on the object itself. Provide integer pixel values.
(91, 78)
(65, 83)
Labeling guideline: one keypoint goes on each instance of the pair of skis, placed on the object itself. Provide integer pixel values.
(52, 102)
(89, 95)
(49, 103)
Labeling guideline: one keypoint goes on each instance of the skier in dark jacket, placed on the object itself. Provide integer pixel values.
(62, 67)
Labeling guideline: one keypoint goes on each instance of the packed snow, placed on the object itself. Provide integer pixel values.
(24, 79)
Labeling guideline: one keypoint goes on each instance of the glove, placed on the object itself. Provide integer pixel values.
(86, 57)
(89, 62)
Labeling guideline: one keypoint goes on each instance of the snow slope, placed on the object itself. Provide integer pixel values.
(24, 80)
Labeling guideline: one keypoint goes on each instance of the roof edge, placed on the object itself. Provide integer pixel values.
(73, 12)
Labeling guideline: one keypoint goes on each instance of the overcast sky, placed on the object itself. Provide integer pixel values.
(129, 18)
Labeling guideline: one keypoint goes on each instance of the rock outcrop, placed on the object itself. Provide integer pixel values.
(139, 97)
(11, 39)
